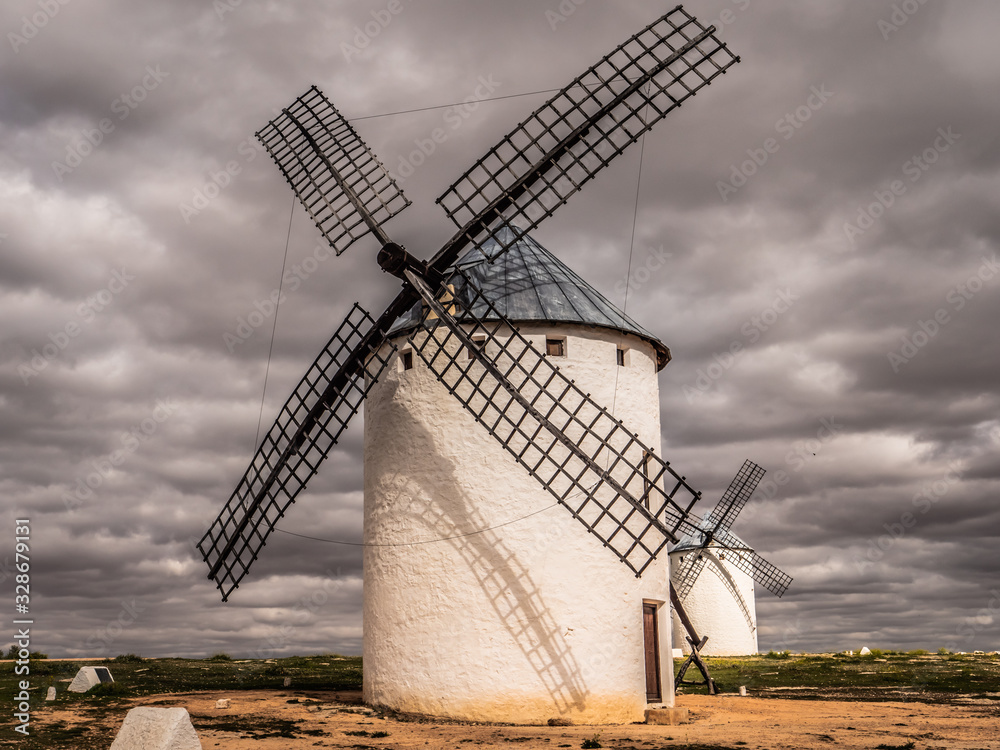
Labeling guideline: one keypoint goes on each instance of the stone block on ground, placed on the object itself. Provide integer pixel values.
(87, 677)
(51, 694)
(149, 728)
(667, 716)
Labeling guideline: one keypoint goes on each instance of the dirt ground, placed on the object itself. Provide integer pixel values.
(256, 720)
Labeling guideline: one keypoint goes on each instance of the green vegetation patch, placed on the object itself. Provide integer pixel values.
(136, 677)
(880, 675)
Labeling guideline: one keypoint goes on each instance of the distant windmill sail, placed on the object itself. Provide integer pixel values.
(737, 495)
(714, 531)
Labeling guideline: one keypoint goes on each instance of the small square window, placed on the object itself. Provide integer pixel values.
(480, 344)
(407, 359)
(555, 347)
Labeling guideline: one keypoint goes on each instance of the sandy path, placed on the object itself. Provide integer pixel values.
(324, 719)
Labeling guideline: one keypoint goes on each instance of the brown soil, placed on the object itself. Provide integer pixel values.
(293, 720)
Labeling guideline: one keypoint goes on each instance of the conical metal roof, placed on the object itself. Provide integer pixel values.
(527, 283)
(697, 539)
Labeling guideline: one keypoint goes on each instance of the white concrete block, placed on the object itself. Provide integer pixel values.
(88, 677)
(148, 728)
(51, 695)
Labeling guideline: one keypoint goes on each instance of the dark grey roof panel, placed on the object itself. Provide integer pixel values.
(529, 284)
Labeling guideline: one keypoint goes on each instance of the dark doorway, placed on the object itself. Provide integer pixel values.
(651, 643)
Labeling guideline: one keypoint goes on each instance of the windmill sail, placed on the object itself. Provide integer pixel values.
(307, 428)
(687, 573)
(714, 531)
(738, 554)
(340, 182)
(582, 455)
(763, 572)
(737, 494)
(567, 141)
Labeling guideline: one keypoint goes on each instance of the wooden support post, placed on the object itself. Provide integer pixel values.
(696, 645)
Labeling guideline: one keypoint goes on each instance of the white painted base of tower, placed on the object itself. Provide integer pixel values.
(715, 612)
(476, 609)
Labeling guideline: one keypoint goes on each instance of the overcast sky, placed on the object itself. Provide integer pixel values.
(829, 210)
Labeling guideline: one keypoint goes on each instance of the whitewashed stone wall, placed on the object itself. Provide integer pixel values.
(715, 612)
(508, 620)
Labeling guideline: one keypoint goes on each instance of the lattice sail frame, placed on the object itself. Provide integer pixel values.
(763, 572)
(685, 574)
(714, 530)
(308, 426)
(563, 145)
(760, 570)
(588, 460)
(337, 178)
(737, 494)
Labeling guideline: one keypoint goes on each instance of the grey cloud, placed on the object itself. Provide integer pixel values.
(825, 357)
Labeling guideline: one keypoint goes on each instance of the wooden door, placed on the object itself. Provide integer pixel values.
(651, 642)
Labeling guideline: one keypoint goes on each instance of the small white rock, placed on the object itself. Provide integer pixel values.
(222, 703)
(864, 651)
(51, 695)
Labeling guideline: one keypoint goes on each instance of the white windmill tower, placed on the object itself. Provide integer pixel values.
(714, 574)
(481, 600)
(516, 613)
